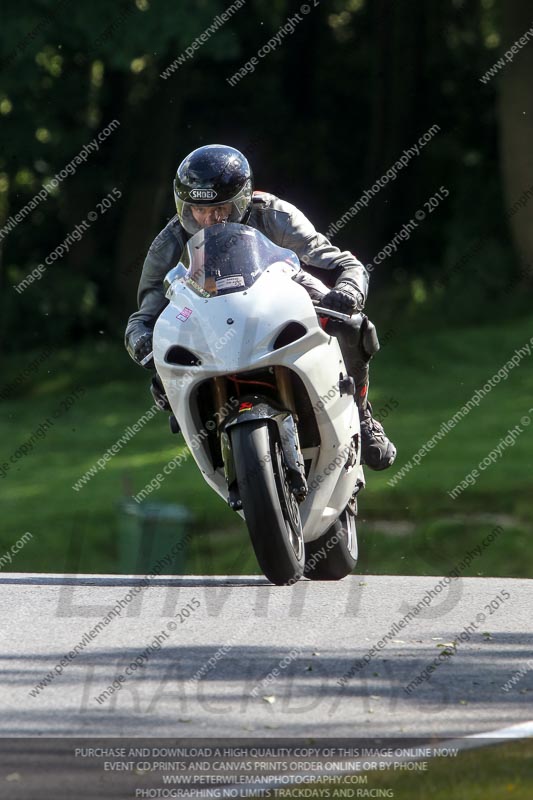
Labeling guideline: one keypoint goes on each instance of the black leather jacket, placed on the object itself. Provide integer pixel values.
(282, 222)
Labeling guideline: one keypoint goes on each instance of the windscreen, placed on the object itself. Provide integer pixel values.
(227, 258)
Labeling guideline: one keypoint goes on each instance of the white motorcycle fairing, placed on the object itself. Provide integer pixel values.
(242, 332)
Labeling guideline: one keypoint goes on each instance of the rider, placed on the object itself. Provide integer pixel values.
(214, 184)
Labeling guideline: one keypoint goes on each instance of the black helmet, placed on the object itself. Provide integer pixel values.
(211, 176)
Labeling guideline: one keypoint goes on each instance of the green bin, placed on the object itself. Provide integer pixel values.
(153, 538)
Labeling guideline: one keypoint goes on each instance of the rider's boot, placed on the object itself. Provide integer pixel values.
(158, 393)
(377, 451)
(161, 400)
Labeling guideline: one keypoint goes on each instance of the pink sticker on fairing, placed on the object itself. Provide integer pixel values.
(184, 314)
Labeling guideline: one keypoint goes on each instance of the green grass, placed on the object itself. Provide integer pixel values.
(496, 772)
(439, 546)
(429, 377)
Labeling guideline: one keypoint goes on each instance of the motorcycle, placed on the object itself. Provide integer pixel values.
(260, 392)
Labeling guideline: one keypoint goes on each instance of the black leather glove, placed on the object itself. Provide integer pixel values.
(140, 348)
(344, 298)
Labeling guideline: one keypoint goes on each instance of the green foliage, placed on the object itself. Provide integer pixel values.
(321, 118)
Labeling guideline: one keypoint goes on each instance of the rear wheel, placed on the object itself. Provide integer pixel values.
(334, 554)
(270, 509)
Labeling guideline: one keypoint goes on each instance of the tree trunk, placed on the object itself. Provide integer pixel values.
(399, 108)
(516, 126)
(147, 183)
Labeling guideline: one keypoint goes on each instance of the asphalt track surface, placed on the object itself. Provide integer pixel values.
(270, 657)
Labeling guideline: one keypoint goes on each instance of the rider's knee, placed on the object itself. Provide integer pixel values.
(369, 339)
(358, 334)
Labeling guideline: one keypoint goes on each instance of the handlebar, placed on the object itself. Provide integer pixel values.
(328, 312)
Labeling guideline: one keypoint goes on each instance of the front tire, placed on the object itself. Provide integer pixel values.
(334, 554)
(270, 509)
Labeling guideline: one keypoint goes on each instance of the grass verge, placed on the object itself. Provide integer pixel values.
(93, 394)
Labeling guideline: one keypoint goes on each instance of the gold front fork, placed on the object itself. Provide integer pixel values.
(220, 394)
(283, 380)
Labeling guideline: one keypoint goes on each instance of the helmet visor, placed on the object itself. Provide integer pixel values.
(194, 216)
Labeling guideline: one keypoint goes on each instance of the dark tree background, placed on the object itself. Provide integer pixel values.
(321, 119)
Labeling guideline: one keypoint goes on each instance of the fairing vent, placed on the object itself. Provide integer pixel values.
(182, 356)
(290, 333)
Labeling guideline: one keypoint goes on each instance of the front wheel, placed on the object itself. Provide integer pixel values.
(270, 509)
(334, 554)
